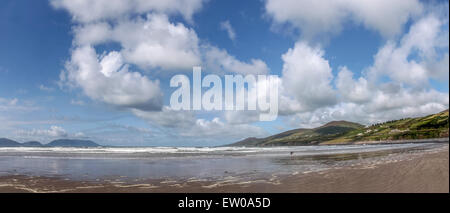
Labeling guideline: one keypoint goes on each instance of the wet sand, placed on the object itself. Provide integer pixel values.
(414, 172)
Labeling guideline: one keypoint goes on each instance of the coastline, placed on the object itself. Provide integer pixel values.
(415, 172)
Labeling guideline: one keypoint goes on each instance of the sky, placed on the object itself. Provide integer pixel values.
(100, 70)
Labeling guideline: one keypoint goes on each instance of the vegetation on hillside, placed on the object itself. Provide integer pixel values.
(344, 132)
(432, 126)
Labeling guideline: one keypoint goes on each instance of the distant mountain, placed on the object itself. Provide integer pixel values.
(344, 132)
(72, 143)
(32, 144)
(4, 142)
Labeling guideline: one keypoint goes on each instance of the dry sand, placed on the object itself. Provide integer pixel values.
(424, 172)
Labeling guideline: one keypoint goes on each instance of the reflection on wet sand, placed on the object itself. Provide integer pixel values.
(334, 158)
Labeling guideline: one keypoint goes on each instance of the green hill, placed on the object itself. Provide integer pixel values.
(295, 137)
(344, 132)
(431, 126)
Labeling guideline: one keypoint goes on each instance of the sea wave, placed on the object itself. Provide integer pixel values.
(205, 150)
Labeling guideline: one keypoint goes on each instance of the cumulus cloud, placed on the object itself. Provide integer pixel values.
(153, 43)
(318, 17)
(147, 41)
(310, 95)
(406, 93)
(351, 90)
(226, 26)
(384, 107)
(307, 76)
(415, 59)
(90, 11)
(156, 43)
(107, 78)
(253, 110)
(386, 99)
(219, 61)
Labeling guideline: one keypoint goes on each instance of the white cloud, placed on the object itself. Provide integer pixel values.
(107, 78)
(148, 39)
(52, 132)
(318, 17)
(56, 131)
(46, 89)
(307, 77)
(91, 11)
(185, 124)
(410, 60)
(219, 61)
(153, 43)
(383, 107)
(407, 93)
(307, 97)
(351, 90)
(7, 103)
(438, 69)
(79, 135)
(216, 128)
(92, 33)
(14, 105)
(394, 14)
(226, 26)
(44, 135)
(158, 43)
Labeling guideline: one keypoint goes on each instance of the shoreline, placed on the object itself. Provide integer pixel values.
(427, 140)
(416, 172)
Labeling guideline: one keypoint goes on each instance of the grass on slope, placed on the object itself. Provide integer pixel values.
(432, 126)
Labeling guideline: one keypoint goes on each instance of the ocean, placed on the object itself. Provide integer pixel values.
(191, 163)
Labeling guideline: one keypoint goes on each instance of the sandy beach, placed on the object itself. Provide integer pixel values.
(418, 171)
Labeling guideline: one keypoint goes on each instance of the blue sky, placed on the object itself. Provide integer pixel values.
(336, 61)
